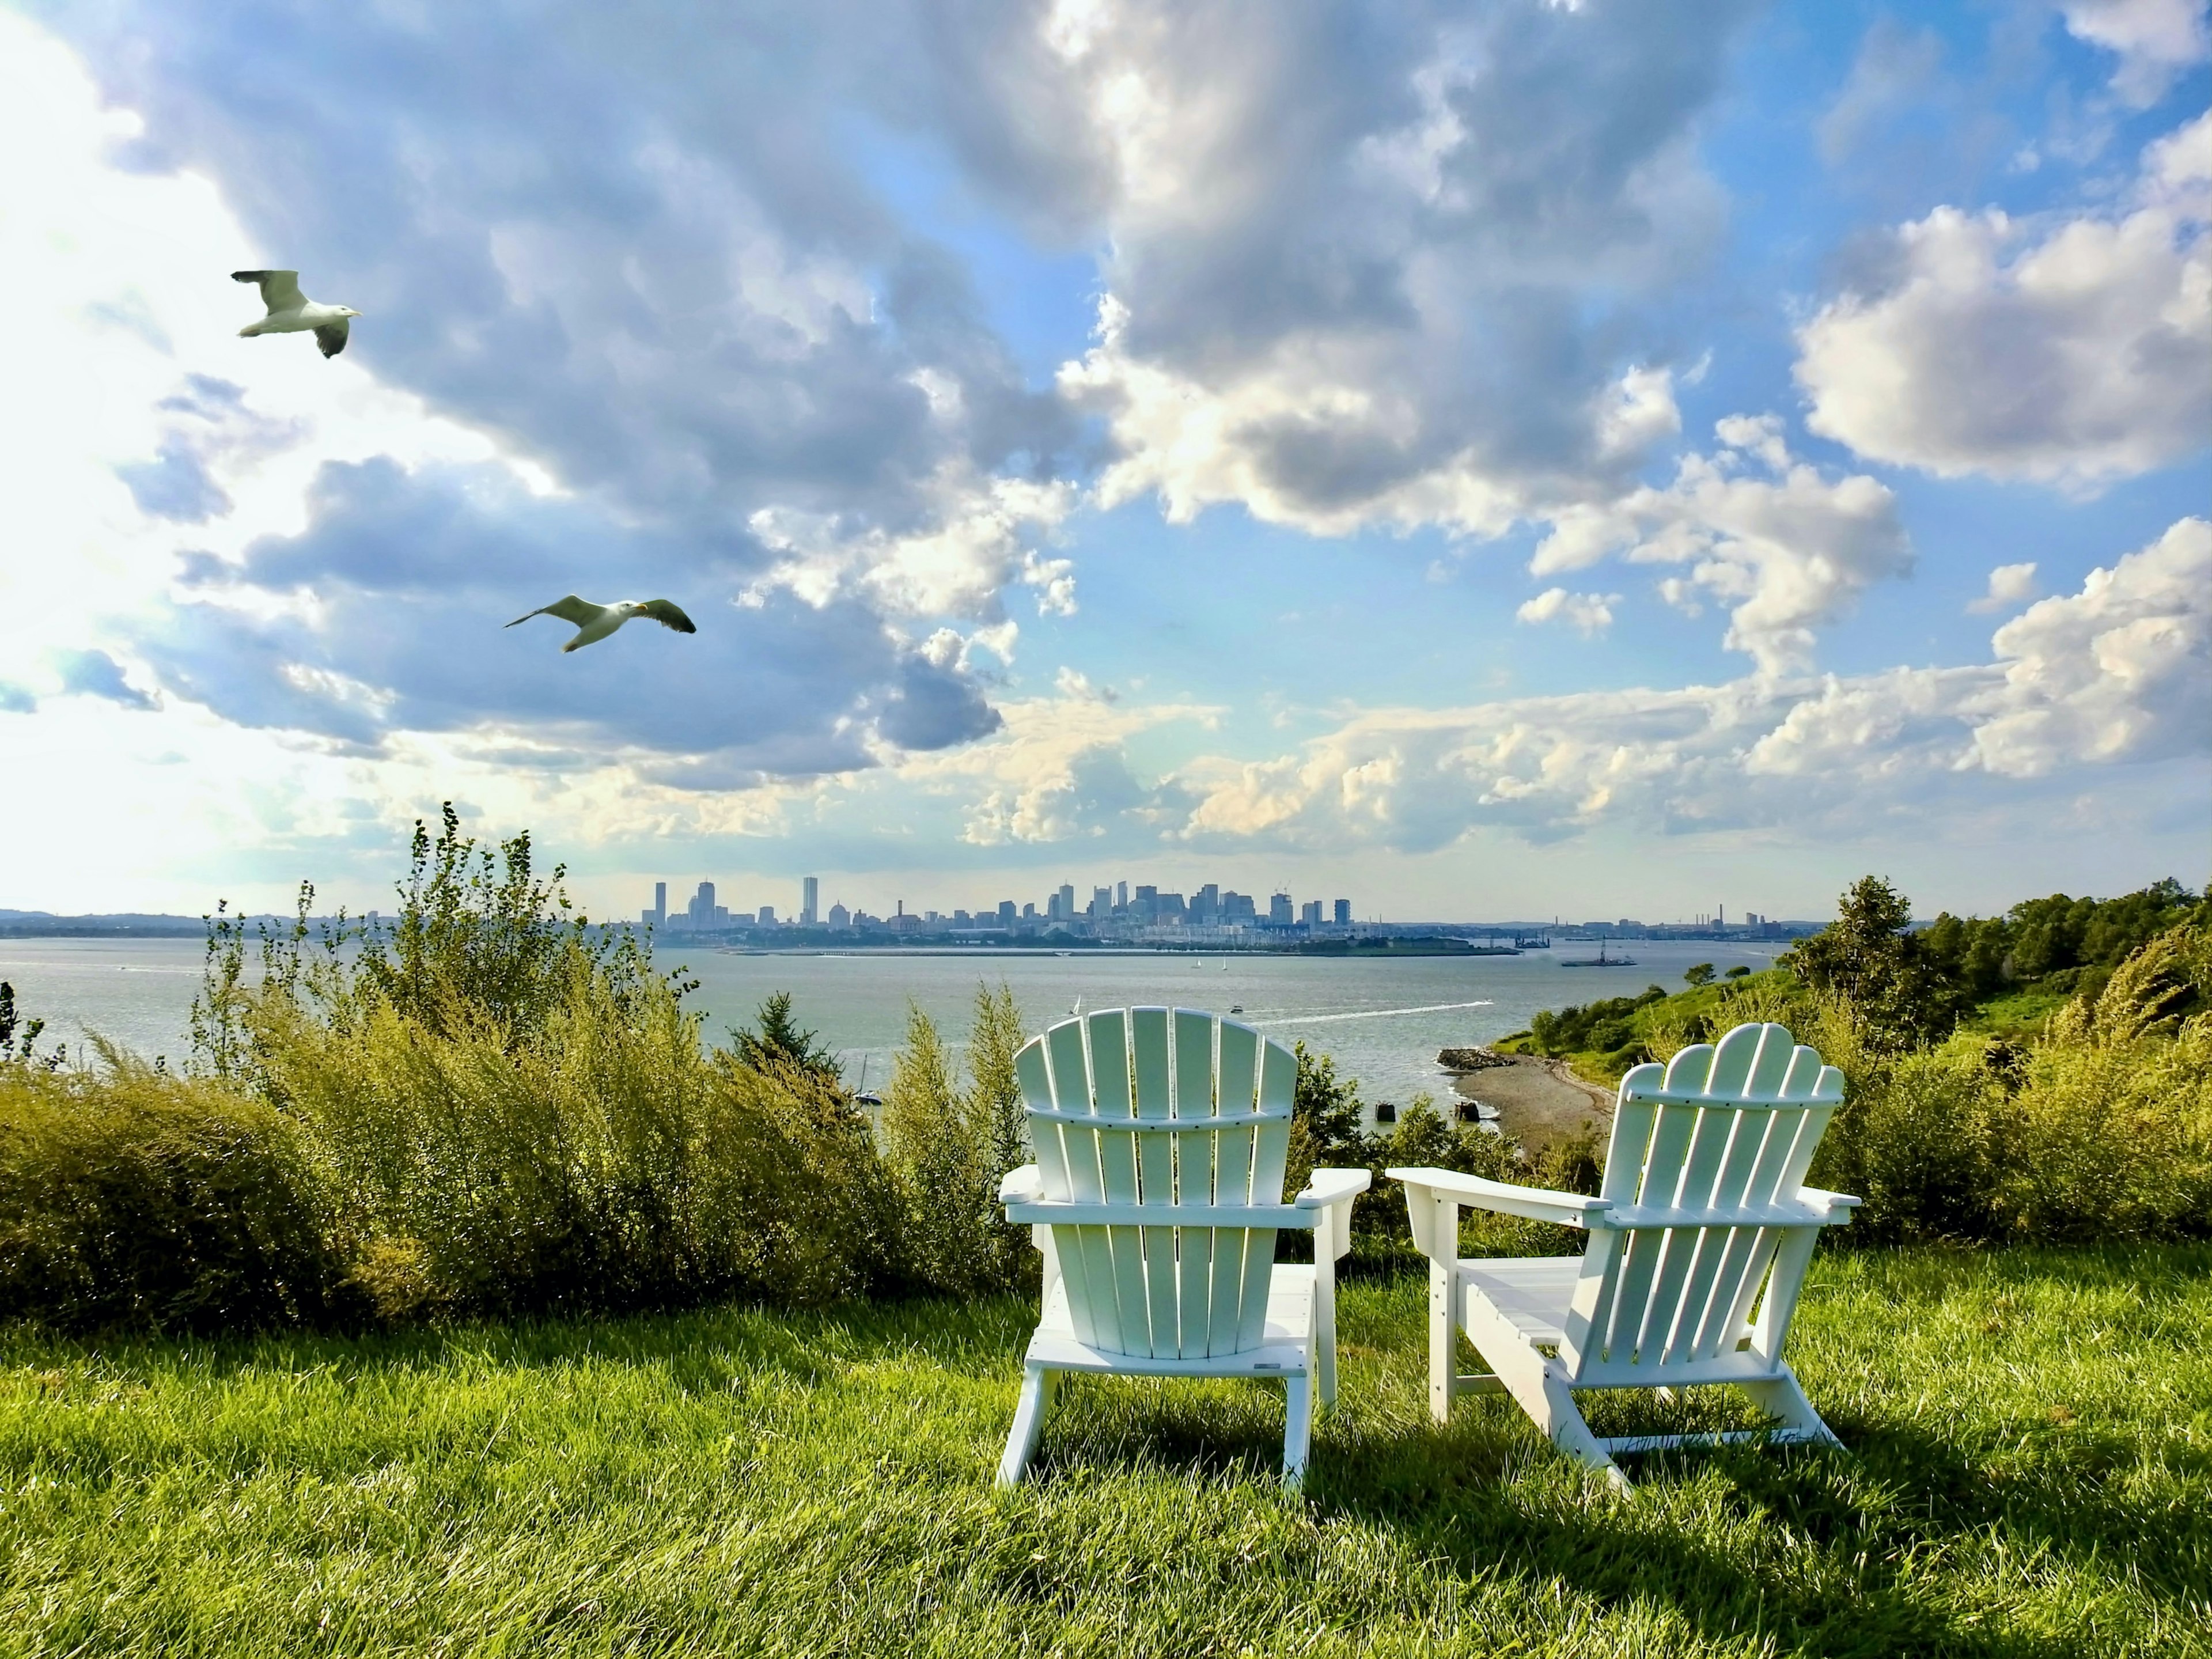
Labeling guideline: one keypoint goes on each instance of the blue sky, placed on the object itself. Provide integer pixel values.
(1481, 460)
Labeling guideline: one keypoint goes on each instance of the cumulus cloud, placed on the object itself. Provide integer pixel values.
(1786, 546)
(1381, 268)
(2072, 354)
(2010, 586)
(2154, 40)
(2122, 669)
(2116, 672)
(1588, 614)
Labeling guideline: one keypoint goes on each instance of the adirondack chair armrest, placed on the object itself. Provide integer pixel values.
(1022, 1185)
(1330, 1191)
(1424, 1186)
(1838, 1205)
(1328, 1187)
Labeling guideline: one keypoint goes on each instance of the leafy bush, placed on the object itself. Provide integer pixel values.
(130, 1197)
(949, 1148)
(607, 1162)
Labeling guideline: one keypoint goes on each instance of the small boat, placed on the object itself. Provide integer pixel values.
(1600, 960)
(1235, 1007)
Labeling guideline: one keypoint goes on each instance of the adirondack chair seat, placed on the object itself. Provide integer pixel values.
(1699, 1240)
(1161, 1137)
(1286, 1338)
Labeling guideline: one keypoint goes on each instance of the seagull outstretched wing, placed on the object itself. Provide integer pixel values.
(666, 613)
(568, 610)
(280, 291)
(332, 337)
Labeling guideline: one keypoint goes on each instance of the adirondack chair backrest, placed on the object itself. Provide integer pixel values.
(1220, 1094)
(1707, 1246)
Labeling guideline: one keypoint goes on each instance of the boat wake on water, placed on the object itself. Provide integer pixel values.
(1372, 1013)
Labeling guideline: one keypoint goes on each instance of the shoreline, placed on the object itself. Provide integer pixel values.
(1535, 1100)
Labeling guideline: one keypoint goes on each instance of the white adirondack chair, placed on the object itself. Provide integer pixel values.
(1160, 1138)
(1699, 1240)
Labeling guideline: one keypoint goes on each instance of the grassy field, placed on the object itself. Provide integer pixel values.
(2030, 1472)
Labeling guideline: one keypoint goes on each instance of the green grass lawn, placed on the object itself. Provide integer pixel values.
(2030, 1471)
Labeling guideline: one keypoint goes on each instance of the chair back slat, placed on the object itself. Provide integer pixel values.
(1165, 1291)
(1271, 1147)
(1193, 1160)
(1236, 1087)
(1721, 1128)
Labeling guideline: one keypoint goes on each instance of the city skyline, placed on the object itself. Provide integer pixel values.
(1145, 906)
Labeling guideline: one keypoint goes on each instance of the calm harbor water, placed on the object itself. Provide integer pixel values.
(1384, 1021)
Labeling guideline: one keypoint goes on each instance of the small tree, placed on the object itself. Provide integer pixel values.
(779, 1042)
(1699, 975)
(1737, 972)
(1876, 970)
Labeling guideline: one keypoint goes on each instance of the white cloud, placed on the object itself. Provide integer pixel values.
(1588, 614)
(2122, 669)
(2115, 672)
(2074, 354)
(1785, 546)
(2154, 40)
(2010, 587)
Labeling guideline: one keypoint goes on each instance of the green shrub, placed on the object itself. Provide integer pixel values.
(606, 1160)
(950, 1148)
(132, 1198)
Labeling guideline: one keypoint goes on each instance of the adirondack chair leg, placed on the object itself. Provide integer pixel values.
(1028, 1424)
(1323, 1359)
(1784, 1399)
(1527, 1375)
(1298, 1428)
(1443, 1340)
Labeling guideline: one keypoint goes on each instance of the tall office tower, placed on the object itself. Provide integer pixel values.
(1344, 913)
(702, 905)
(1101, 904)
(1006, 912)
(657, 916)
(1278, 910)
(1121, 895)
(767, 916)
(810, 895)
(1206, 905)
(1067, 901)
(1051, 907)
(1310, 913)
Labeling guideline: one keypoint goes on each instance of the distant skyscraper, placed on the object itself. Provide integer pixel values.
(1344, 913)
(1121, 895)
(810, 895)
(1101, 904)
(1310, 913)
(1278, 910)
(1067, 901)
(701, 907)
(767, 916)
(1006, 917)
(657, 916)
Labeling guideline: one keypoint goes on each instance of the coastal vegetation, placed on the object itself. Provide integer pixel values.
(2044, 1075)
(459, 1294)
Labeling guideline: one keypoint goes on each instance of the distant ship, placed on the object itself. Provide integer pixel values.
(1600, 960)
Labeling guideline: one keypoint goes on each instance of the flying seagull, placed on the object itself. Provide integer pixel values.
(595, 622)
(290, 311)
